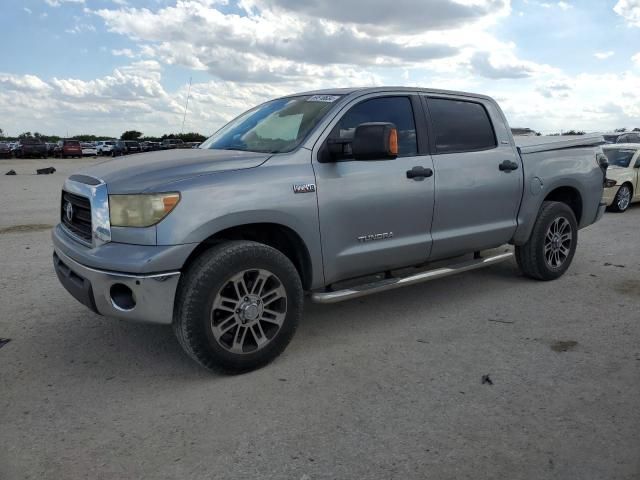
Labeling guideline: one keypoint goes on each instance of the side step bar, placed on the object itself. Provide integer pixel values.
(392, 283)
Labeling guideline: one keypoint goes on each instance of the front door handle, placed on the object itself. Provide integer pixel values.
(507, 166)
(419, 173)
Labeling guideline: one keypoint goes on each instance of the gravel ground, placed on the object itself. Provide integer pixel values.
(383, 387)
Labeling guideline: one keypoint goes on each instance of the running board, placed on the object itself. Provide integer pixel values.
(392, 283)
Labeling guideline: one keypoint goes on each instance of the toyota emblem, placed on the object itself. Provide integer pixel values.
(68, 211)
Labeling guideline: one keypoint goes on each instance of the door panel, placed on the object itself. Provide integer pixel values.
(372, 217)
(476, 202)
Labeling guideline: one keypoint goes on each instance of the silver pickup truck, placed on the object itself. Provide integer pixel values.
(337, 194)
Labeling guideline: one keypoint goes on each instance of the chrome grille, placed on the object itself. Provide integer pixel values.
(75, 214)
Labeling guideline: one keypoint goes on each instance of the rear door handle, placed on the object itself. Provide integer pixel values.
(419, 173)
(507, 166)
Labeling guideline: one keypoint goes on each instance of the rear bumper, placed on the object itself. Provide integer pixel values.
(148, 297)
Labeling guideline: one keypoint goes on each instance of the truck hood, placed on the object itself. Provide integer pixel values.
(145, 171)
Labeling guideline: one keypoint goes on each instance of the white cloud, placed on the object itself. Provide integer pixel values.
(57, 3)
(28, 10)
(482, 64)
(604, 55)
(629, 10)
(80, 28)
(561, 5)
(123, 52)
(636, 59)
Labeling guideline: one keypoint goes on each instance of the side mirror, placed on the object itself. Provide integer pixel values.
(375, 141)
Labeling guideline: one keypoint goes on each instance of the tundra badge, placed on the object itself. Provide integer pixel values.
(375, 236)
(304, 188)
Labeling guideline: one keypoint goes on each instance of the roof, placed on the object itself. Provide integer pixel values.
(622, 145)
(365, 90)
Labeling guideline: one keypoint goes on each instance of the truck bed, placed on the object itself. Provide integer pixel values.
(546, 143)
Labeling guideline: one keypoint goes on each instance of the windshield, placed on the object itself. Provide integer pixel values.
(619, 157)
(273, 127)
(610, 138)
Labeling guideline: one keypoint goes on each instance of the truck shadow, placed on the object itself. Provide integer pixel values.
(95, 346)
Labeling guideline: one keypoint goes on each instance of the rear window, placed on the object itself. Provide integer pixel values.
(72, 143)
(460, 126)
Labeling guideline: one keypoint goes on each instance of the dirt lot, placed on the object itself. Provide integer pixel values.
(383, 387)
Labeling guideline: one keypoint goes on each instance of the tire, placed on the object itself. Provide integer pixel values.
(209, 282)
(548, 253)
(622, 200)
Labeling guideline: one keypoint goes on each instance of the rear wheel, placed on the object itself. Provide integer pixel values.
(238, 306)
(552, 244)
(622, 199)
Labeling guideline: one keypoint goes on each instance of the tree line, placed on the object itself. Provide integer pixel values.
(128, 135)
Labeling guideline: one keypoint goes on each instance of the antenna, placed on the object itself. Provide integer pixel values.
(184, 117)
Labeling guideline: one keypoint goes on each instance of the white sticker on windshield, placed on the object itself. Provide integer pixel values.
(324, 98)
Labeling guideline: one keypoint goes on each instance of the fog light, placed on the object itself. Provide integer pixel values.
(122, 297)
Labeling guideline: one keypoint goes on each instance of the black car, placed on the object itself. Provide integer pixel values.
(30, 147)
(5, 150)
(170, 143)
(631, 137)
(125, 147)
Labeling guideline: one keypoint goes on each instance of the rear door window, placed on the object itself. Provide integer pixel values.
(460, 126)
(397, 110)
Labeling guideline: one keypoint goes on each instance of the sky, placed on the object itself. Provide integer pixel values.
(72, 67)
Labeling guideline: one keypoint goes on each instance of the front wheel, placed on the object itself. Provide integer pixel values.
(552, 244)
(238, 306)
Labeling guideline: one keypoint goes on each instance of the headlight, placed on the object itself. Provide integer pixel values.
(141, 210)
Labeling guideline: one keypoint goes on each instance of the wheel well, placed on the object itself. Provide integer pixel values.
(275, 235)
(570, 196)
(629, 184)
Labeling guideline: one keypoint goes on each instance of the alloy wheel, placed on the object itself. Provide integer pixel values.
(557, 242)
(248, 311)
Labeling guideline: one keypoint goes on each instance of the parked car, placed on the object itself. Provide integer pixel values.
(223, 241)
(193, 144)
(88, 149)
(629, 137)
(170, 143)
(51, 149)
(622, 187)
(149, 146)
(611, 137)
(68, 148)
(30, 147)
(125, 147)
(104, 147)
(5, 150)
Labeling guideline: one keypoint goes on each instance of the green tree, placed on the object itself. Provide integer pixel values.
(634, 130)
(1, 133)
(25, 135)
(620, 130)
(573, 132)
(131, 135)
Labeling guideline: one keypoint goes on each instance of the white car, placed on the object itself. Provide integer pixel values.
(105, 147)
(89, 149)
(622, 187)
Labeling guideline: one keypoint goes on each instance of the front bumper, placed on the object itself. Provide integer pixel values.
(151, 295)
(609, 194)
(601, 209)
